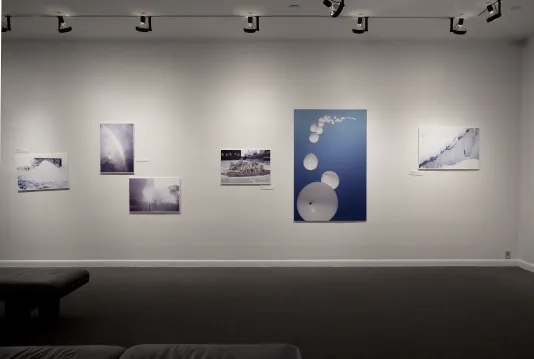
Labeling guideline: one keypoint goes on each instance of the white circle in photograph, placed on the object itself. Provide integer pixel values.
(314, 138)
(311, 162)
(313, 128)
(330, 178)
(319, 130)
(317, 202)
(321, 120)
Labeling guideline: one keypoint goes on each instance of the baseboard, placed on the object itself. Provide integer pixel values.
(266, 263)
(525, 265)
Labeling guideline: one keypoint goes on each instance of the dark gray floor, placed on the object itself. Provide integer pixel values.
(327, 312)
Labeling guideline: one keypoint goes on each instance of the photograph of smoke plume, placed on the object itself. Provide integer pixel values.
(245, 167)
(449, 148)
(155, 195)
(42, 172)
(117, 148)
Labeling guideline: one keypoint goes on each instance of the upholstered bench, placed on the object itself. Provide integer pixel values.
(192, 351)
(24, 289)
(78, 352)
(164, 351)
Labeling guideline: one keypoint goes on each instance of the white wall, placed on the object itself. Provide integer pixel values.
(526, 233)
(190, 99)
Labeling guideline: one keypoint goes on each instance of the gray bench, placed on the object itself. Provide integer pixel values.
(176, 351)
(24, 289)
(78, 352)
(164, 351)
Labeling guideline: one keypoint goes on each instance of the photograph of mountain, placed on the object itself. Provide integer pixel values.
(42, 172)
(449, 148)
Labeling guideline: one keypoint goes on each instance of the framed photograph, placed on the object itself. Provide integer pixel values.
(449, 148)
(246, 167)
(155, 195)
(117, 148)
(42, 172)
(330, 166)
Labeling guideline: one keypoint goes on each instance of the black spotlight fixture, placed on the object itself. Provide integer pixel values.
(7, 26)
(336, 7)
(145, 24)
(494, 11)
(62, 26)
(362, 26)
(252, 26)
(458, 28)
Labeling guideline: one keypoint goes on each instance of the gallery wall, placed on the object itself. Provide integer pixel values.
(526, 233)
(189, 100)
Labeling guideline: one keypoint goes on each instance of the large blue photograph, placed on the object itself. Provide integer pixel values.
(330, 152)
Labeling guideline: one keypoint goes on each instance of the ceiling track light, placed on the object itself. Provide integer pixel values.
(145, 24)
(336, 7)
(362, 26)
(494, 11)
(252, 27)
(62, 26)
(458, 28)
(7, 26)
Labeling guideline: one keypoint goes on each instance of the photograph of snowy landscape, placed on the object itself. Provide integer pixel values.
(246, 167)
(42, 172)
(117, 148)
(155, 195)
(449, 148)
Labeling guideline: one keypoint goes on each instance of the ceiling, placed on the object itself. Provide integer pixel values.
(517, 21)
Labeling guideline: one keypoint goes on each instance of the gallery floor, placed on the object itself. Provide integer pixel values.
(327, 312)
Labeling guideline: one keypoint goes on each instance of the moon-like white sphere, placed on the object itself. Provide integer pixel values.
(330, 178)
(317, 202)
(313, 127)
(319, 130)
(314, 138)
(311, 162)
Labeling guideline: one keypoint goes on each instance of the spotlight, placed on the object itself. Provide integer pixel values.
(362, 26)
(62, 25)
(145, 24)
(7, 26)
(494, 11)
(251, 26)
(458, 28)
(336, 6)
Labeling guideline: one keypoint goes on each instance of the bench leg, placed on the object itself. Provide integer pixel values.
(17, 309)
(49, 308)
